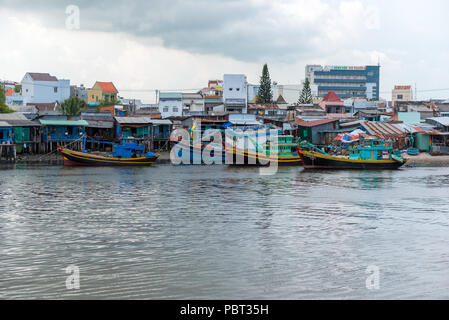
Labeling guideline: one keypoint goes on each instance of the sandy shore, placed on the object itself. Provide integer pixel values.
(426, 160)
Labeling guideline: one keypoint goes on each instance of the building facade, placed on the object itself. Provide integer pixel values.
(79, 92)
(44, 88)
(401, 93)
(170, 104)
(345, 81)
(102, 91)
(192, 103)
(235, 93)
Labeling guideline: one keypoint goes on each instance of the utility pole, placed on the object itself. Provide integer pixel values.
(416, 93)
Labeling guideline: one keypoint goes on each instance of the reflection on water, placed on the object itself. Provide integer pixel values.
(201, 232)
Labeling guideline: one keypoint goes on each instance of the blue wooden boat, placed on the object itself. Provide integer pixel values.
(126, 153)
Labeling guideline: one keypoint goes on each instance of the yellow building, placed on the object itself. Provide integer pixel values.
(402, 93)
(102, 91)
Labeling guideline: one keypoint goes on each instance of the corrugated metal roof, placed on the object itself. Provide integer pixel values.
(170, 95)
(384, 131)
(4, 124)
(70, 123)
(133, 120)
(444, 121)
(17, 119)
(309, 124)
(159, 122)
(12, 116)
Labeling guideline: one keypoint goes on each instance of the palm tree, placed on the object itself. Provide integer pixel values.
(73, 106)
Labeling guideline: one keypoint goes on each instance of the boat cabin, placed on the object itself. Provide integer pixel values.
(128, 149)
(372, 150)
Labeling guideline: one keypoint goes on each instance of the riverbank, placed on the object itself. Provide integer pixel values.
(426, 160)
(421, 160)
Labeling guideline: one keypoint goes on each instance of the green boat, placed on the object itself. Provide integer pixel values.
(247, 151)
(372, 154)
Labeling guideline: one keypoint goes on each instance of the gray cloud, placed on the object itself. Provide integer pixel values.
(244, 30)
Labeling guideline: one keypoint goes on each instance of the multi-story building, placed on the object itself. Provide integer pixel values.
(102, 91)
(401, 93)
(79, 92)
(44, 88)
(235, 93)
(192, 103)
(345, 81)
(170, 104)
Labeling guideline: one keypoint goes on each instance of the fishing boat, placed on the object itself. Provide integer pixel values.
(372, 154)
(199, 148)
(126, 153)
(250, 149)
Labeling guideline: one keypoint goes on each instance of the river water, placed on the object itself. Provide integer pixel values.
(215, 232)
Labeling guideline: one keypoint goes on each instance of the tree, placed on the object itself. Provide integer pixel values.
(107, 102)
(264, 95)
(3, 107)
(306, 94)
(73, 106)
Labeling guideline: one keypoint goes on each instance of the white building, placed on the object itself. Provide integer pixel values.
(170, 104)
(235, 93)
(192, 103)
(44, 88)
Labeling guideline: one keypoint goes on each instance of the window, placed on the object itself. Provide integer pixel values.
(230, 89)
(238, 89)
(400, 96)
(175, 109)
(165, 109)
(55, 89)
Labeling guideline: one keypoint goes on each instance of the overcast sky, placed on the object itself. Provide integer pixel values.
(163, 44)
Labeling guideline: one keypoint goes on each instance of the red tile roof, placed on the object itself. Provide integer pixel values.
(332, 97)
(42, 77)
(310, 124)
(107, 87)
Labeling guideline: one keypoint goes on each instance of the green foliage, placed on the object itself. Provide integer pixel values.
(73, 106)
(17, 89)
(2, 95)
(107, 102)
(3, 107)
(264, 95)
(306, 94)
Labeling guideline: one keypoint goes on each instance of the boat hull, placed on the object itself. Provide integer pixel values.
(240, 157)
(74, 158)
(313, 160)
(192, 155)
